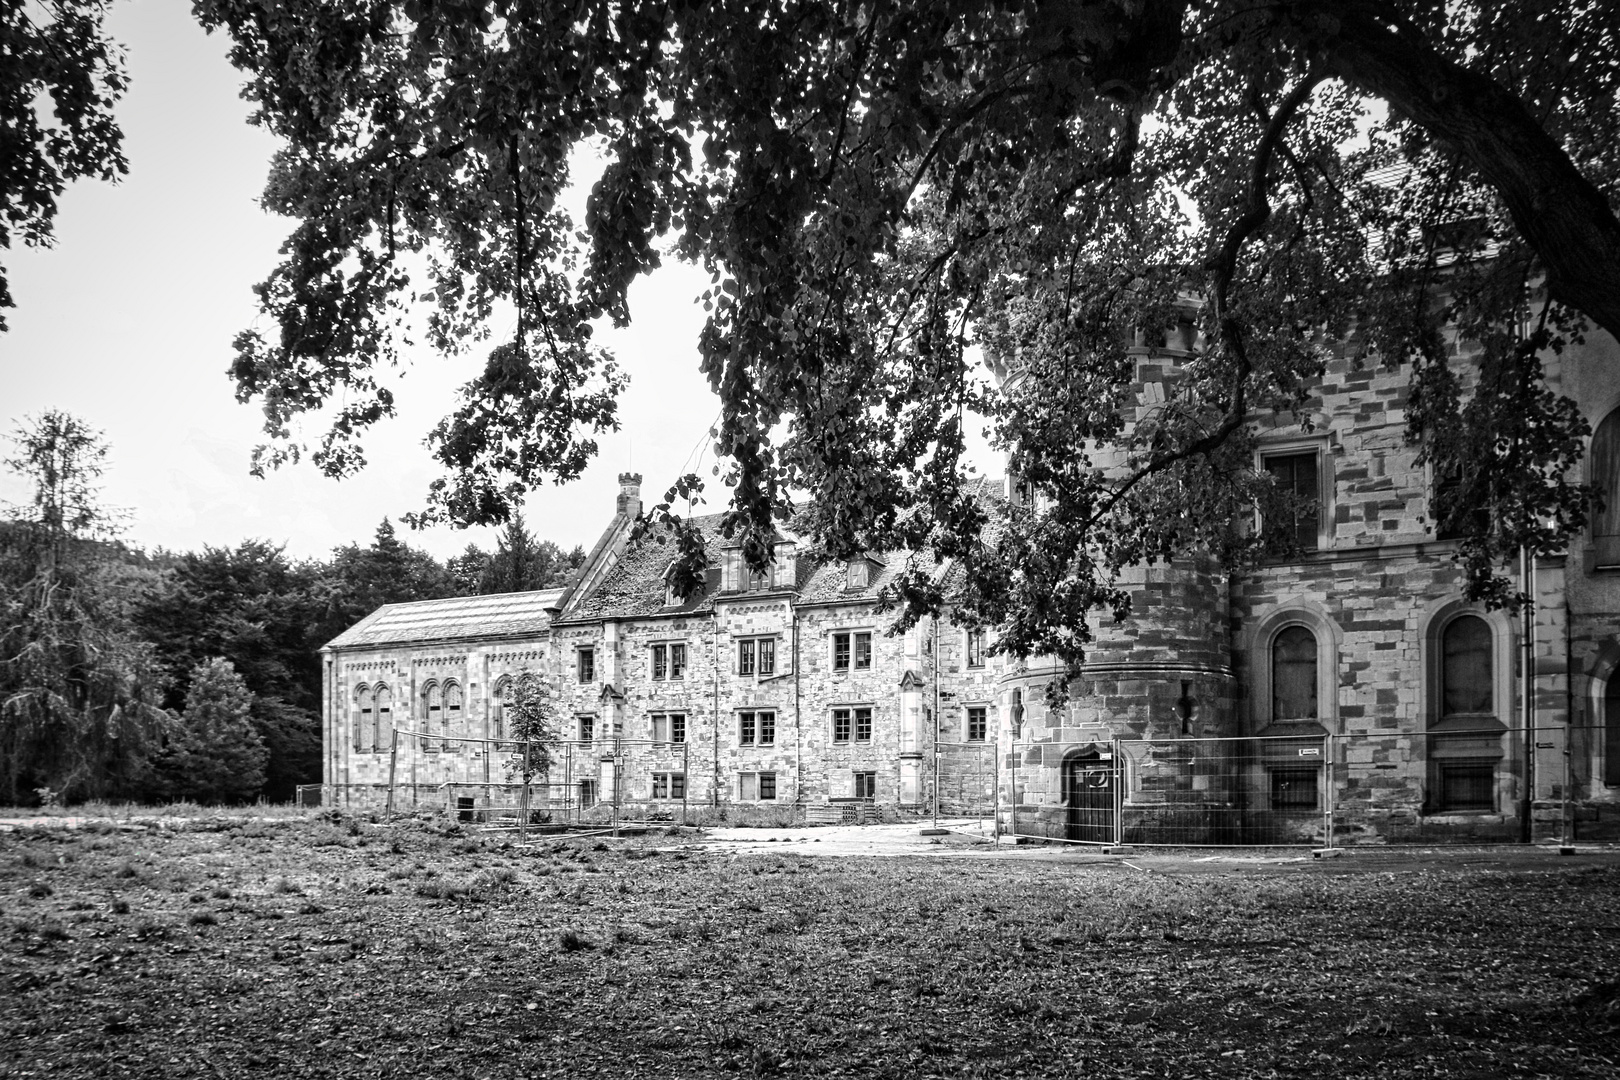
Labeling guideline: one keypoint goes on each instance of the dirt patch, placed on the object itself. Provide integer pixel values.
(331, 946)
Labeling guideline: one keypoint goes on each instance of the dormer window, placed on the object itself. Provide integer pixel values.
(858, 574)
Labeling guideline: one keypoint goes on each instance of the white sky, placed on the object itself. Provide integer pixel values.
(128, 320)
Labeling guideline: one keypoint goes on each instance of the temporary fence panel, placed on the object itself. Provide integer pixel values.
(1221, 792)
(966, 785)
(602, 782)
(1463, 785)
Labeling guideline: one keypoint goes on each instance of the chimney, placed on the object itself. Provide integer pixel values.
(629, 504)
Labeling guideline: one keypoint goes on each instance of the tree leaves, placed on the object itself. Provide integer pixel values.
(1084, 195)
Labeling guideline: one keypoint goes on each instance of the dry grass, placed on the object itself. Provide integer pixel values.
(326, 945)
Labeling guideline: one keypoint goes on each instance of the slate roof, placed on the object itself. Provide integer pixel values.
(635, 587)
(497, 615)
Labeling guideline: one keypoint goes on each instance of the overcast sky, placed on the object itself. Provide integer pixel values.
(127, 323)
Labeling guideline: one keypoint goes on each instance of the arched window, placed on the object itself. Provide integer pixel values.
(1605, 472)
(1467, 652)
(1611, 730)
(385, 718)
(362, 718)
(497, 710)
(1293, 674)
(450, 719)
(432, 709)
(1465, 668)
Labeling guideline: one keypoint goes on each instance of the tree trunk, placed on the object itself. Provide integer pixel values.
(1560, 214)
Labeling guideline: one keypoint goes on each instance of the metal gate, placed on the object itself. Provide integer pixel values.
(1088, 785)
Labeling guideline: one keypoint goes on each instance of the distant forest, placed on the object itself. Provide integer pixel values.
(129, 674)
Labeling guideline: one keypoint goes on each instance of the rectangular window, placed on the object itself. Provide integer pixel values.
(677, 661)
(1294, 789)
(752, 787)
(587, 665)
(669, 727)
(756, 656)
(587, 727)
(977, 722)
(975, 648)
(756, 728)
(860, 574)
(1297, 479)
(1448, 490)
(1468, 785)
(660, 661)
(852, 650)
(866, 785)
(587, 794)
(852, 724)
(669, 785)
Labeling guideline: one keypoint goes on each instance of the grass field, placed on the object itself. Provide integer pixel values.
(221, 946)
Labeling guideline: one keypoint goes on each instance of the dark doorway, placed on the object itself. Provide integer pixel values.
(1088, 785)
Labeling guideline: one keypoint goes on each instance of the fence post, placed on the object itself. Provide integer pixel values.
(1119, 796)
(1329, 768)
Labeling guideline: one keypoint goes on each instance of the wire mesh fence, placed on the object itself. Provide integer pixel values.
(1225, 792)
(966, 779)
(1457, 784)
(570, 783)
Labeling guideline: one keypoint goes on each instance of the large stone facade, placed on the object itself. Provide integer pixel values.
(1347, 691)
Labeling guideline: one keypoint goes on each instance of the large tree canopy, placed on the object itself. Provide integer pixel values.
(880, 188)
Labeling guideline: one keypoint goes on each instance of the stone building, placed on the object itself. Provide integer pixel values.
(1346, 692)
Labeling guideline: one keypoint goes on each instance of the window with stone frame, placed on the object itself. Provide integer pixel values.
(669, 727)
(432, 713)
(1446, 490)
(756, 727)
(978, 723)
(1297, 479)
(852, 724)
(660, 661)
(1466, 685)
(864, 784)
(756, 656)
(1467, 698)
(1604, 457)
(585, 664)
(451, 717)
(677, 660)
(384, 718)
(497, 709)
(1611, 730)
(756, 786)
(668, 785)
(587, 794)
(851, 650)
(1466, 784)
(857, 574)
(1293, 674)
(1295, 788)
(585, 723)
(363, 732)
(975, 648)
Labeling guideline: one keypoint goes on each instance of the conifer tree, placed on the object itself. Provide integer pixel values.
(216, 754)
